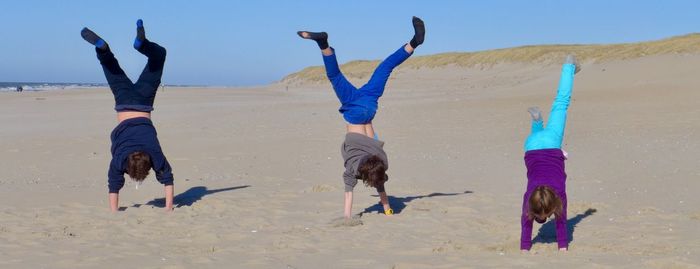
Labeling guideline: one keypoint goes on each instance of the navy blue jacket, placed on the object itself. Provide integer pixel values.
(137, 134)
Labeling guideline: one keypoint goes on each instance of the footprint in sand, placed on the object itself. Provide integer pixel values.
(695, 216)
(322, 188)
(344, 222)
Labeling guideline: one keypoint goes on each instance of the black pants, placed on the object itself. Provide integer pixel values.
(139, 96)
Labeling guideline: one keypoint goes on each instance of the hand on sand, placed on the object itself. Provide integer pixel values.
(168, 209)
(346, 222)
(563, 250)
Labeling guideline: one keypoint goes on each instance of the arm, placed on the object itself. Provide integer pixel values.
(169, 190)
(562, 229)
(350, 182)
(384, 199)
(114, 202)
(526, 232)
(164, 175)
(526, 228)
(348, 204)
(385, 202)
(115, 182)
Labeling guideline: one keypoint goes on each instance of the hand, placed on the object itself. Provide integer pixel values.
(563, 249)
(348, 205)
(384, 200)
(524, 251)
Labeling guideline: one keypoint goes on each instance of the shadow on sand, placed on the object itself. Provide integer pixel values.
(189, 197)
(399, 203)
(548, 233)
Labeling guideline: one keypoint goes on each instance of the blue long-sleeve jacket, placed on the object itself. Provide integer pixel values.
(137, 134)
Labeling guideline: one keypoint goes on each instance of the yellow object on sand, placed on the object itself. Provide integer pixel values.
(389, 212)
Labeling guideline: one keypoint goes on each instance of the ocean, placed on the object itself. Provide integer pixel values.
(45, 86)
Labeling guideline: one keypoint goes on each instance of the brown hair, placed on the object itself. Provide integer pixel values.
(138, 165)
(373, 171)
(544, 202)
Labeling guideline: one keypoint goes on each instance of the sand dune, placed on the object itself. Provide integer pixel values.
(539, 55)
(258, 173)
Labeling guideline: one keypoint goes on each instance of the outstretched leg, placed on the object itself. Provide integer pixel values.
(118, 82)
(557, 117)
(344, 90)
(376, 84)
(553, 135)
(150, 78)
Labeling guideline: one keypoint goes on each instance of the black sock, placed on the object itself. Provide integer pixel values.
(140, 35)
(93, 39)
(419, 36)
(320, 37)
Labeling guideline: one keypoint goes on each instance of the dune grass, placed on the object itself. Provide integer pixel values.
(540, 54)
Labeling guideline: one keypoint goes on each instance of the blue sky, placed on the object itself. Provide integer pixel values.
(240, 43)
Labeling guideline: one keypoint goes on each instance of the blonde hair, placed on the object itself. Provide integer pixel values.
(544, 202)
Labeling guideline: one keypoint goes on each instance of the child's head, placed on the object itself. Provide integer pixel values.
(543, 203)
(373, 171)
(138, 165)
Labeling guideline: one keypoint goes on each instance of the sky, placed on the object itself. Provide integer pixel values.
(244, 43)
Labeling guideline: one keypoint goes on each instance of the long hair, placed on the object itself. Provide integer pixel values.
(544, 202)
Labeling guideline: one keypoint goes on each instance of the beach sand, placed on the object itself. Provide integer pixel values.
(258, 174)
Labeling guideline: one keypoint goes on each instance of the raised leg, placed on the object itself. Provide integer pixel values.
(552, 135)
(376, 84)
(150, 78)
(149, 81)
(557, 117)
(118, 81)
(344, 90)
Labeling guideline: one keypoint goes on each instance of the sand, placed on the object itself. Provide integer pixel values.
(258, 174)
